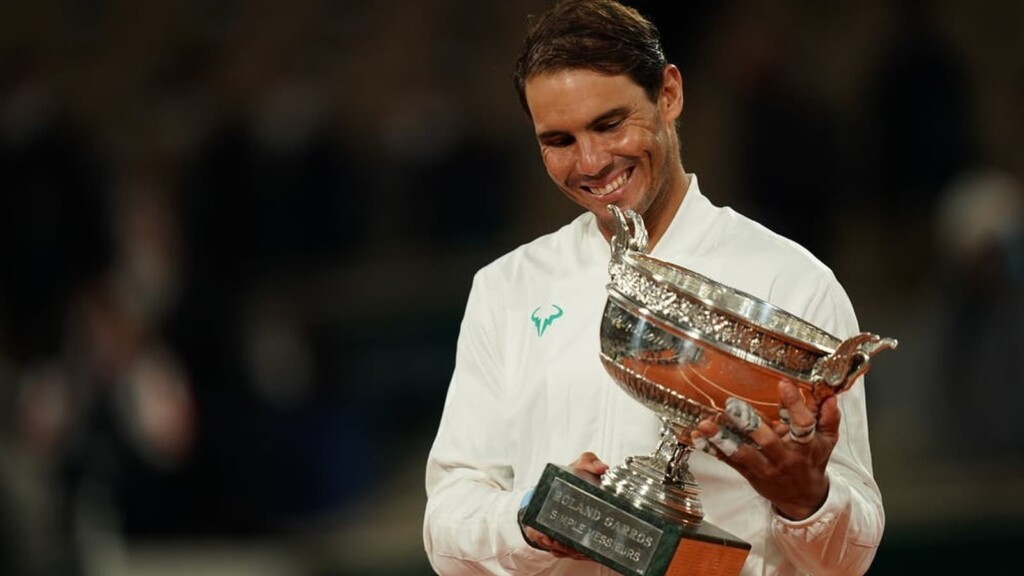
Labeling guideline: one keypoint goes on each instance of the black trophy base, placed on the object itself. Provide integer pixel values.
(577, 512)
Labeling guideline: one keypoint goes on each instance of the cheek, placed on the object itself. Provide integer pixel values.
(558, 163)
(638, 141)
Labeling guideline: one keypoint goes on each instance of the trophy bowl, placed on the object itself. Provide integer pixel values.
(682, 344)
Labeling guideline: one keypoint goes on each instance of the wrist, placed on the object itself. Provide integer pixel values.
(523, 530)
(801, 511)
(523, 504)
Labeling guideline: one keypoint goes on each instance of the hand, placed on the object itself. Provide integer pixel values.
(586, 463)
(785, 462)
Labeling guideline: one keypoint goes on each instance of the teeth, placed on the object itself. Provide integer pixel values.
(610, 187)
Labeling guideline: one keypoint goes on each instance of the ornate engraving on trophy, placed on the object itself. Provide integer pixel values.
(682, 345)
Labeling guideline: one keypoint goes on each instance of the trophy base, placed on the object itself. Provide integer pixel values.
(576, 511)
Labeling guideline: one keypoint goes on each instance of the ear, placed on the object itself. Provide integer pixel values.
(670, 99)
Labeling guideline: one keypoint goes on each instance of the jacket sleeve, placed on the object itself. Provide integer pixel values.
(841, 538)
(470, 524)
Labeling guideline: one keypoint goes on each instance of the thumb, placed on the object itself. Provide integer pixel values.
(589, 462)
(829, 416)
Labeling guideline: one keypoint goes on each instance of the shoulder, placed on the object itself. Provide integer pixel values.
(533, 273)
(730, 243)
(557, 253)
(749, 256)
(736, 239)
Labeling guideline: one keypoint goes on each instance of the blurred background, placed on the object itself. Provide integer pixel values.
(236, 238)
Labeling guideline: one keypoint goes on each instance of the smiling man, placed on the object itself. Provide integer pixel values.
(528, 387)
(604, 141)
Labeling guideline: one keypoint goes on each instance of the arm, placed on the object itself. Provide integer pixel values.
(827, 515)
(842, 536)
(470, 523)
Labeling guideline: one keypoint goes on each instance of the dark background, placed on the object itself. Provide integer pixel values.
(236, 238)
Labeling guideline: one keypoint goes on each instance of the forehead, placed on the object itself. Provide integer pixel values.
(568, 99)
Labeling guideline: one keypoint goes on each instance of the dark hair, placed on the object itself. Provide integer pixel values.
(600, 35)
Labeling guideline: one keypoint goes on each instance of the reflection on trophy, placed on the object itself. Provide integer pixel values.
(682, 344)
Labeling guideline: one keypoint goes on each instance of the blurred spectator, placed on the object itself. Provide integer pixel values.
(54, 239)
(111, 412)
(272, 197)
(978, 310)
(270, 204)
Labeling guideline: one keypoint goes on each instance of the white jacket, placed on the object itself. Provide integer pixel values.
(526, 392)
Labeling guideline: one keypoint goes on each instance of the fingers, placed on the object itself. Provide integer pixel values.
(742, 415)
(743, 419)
(802, 434)
(829, 416)
(556, 548)
(589, 462)
(780, 428)
(711, 438)
(803, 422)
(792, 402)
(748, 439)
(788, 470)
(723, 441)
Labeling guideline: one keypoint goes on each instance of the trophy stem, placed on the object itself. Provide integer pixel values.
(661, 481)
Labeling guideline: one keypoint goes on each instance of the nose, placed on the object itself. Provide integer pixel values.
(593, 156)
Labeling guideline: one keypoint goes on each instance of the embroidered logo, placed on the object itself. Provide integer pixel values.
(542, 324)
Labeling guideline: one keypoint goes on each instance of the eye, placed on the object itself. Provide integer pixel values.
(609, 125)
(557, 141)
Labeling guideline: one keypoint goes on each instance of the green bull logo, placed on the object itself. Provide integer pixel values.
(553, 312)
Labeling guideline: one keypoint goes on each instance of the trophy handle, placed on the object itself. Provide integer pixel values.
(623, 240)
(840, 369)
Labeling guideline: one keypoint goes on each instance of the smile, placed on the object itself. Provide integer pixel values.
(611, 186)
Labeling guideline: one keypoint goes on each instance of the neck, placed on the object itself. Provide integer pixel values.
(661, 212)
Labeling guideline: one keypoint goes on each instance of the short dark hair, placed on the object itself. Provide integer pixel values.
(600, 35)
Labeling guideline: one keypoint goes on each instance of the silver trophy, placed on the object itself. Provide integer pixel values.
(682, 344)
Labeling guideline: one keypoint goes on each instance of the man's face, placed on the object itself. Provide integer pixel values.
(604, 142)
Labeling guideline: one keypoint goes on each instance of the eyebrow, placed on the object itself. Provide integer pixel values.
(618, 111)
